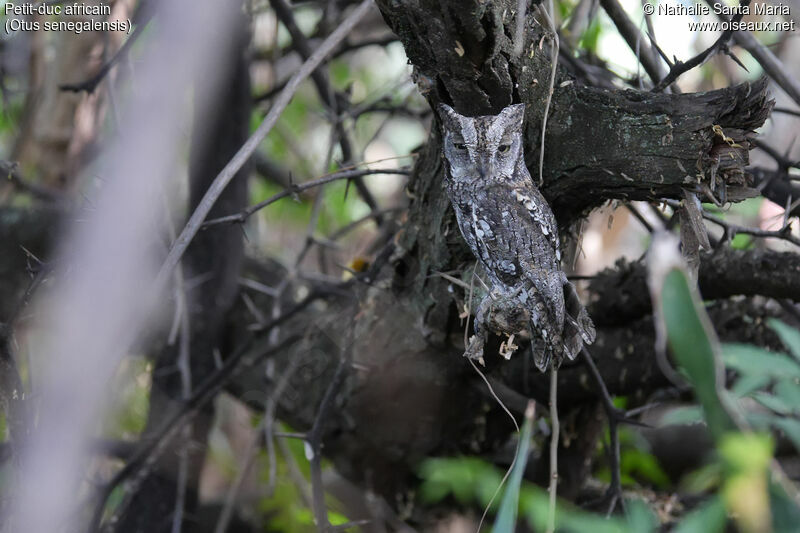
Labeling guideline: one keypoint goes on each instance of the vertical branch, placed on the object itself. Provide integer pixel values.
(555, 427)
(551, 27)
(185, 368)
(314, 442)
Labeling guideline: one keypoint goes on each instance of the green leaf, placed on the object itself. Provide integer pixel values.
(785, 512)
(639, 516)
(789, 336)
(773, 403)
(337, 519)
(751, 360)
(710, 517)
(748, 384)
(507, 516)
(689, 414)
(695, 348)
(591, 37)
(569, 519)
(643, 465)
(742, 242)
(788, 390)
(747, 457)
(703, 479)
(791, 428)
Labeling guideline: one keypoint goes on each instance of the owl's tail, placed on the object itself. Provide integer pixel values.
(578, 326)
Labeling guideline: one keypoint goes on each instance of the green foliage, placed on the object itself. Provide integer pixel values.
(751, 361)
(467, 480)
(742, 242)
(746, 457)
(285, 509)
(749, 490)
(789, 336)
(591, 36)
(772, 379)
(695, 348)
(129, 415)
(447, 477)
(637, 464)
(710, 517)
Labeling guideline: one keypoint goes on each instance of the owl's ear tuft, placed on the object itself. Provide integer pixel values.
(450, 118)
(513, 114)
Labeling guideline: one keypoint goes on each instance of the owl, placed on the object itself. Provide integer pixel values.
(511, 230)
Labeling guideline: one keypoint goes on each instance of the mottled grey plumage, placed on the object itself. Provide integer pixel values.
(510, 228)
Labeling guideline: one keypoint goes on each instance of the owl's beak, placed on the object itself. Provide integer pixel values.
(485, 169)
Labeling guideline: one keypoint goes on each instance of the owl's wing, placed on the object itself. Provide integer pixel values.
(487, 228)
(537, 242)
(515, 238)
(544, 220)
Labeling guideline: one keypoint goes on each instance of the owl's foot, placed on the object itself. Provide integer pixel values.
(474, 350)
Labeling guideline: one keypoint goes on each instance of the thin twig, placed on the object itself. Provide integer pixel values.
(731, 230)
(10, 172)
(205, 391)
(633, 37)
(332, 100)
(519, 32)
(614, 417)
(344, 230)
(720, 44)
(555, 428)
(264, 430)
(638, 216)
(314, 445)
(553, 69)
(516, 426)
(244, 214)
(277, 87)
(768, 61)
(786, 111)
(89, 85)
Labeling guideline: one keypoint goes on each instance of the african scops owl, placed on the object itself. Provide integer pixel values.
(510, 228)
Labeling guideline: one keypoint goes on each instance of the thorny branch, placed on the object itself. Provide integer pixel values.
(244, 153)
(201, 395)
(730, 230)
(243, 215)
(331, 98)
(720, 45)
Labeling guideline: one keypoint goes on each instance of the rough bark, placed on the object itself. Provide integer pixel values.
(620, 294)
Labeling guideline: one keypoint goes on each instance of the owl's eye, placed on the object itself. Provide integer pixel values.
(503, 148)
(459, 146)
